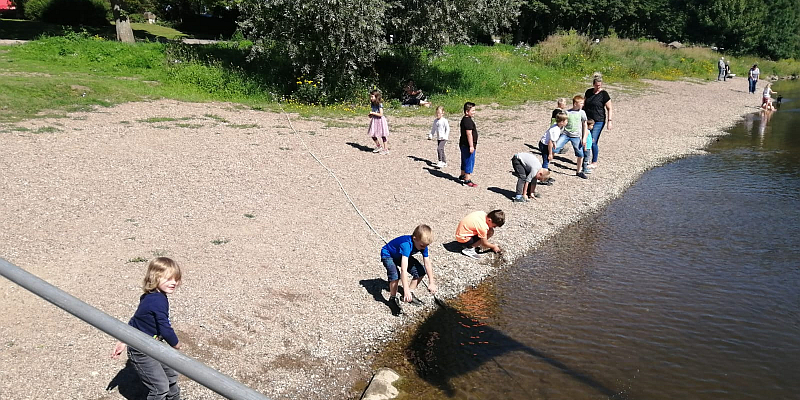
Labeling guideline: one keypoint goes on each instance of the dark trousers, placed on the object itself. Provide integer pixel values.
(160, 379)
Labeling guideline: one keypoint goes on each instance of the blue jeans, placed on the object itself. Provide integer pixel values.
(392, 265)
(545, 154)
(576, 144)
(596, 129)
(752, 85)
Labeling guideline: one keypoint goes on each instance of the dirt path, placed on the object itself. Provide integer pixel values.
(281, 277)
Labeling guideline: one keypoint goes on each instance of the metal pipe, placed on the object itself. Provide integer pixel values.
(191, 368)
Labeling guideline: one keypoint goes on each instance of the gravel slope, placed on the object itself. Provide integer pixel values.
(281, 276)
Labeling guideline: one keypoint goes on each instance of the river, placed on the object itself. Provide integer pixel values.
(687, 286)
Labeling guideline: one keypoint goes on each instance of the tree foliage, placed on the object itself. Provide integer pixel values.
(335, 42)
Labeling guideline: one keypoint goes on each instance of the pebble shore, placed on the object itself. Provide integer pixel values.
(283, 287)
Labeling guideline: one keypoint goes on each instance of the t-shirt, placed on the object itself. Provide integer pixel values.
(551, 134)
(468, 124)
(401, 246)
(441, 128)
(575, 120)
(767, 91)
(376, 108)
(152, 317)
(595, 104)
(531, 163)
(756, 73)
(474, 224)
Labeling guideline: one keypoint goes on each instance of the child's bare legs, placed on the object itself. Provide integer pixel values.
(377, 143)
(580, 165)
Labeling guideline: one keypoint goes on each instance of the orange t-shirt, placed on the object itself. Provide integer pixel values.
(474, 224)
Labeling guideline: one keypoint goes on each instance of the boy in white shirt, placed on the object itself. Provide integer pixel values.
(548, 141)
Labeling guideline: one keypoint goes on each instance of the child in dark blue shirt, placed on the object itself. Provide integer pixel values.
(152, 317)
(396, 257)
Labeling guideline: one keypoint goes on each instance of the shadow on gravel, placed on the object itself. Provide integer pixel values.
(505, 192)
(453, 247)
(129, 384)
(441, 174)
(361, 147)
(450, 343)
(375, 288)
(419, 159)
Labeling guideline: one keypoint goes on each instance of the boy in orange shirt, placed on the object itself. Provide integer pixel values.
(475, 230)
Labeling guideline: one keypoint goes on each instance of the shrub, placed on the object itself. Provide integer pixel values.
(69, 12)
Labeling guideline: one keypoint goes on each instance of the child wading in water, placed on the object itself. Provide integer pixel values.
(441, 131)
(152, 317)
(378, 127)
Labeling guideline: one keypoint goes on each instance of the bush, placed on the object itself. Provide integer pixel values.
(69, 12)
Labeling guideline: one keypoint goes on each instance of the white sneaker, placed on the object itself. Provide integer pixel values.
(378, 150)
(430, 137)
(444, 165)
(439, 164)
(470, 252)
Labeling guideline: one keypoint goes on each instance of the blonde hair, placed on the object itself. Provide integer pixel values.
(440, 108)
(562, 101)
(545, 174)
(423, 233)
(158, 269)
(560, 117)
(598, 77)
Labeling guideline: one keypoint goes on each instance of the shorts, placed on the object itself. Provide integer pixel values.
(467, 159)
(469, 243)
(416, 269)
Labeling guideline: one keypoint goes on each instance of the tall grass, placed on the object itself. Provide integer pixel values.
(43, 74)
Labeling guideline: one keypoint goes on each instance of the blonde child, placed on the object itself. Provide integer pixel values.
(548, 141)
(152, 317)
(440, 130)
(766, 100)
(561, 104)
(378, 127)
(396, 256)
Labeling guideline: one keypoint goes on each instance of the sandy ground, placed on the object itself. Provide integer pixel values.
(283, 288)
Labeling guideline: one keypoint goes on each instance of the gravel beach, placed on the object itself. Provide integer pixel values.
(283, 287)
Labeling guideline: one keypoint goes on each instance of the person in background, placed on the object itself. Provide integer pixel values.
(440, 130)
(752, 77)
(597, 105)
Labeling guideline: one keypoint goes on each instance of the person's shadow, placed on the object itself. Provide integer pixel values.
(129, 384)
(505, 192)
(420, 159)
(375, 288)
(450, 343)
(361, 147)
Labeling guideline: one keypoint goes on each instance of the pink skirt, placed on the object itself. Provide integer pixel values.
(378, 127)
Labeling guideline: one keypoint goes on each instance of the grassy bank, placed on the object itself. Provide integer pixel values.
(76, 71)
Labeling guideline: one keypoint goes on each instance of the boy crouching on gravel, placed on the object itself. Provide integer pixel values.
(476, 228)
(396, 257)
(528, 171)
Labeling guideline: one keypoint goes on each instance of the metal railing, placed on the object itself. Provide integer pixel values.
(189, 367)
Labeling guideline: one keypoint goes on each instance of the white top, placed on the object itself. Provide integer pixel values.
(767, 91)
(441, 129)
(551, 134)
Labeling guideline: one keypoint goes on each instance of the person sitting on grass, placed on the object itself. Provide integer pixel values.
(413, 96)
(528, 171)
(476, 229)
(396, 257)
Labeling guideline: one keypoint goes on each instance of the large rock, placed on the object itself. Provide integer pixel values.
(675, 45)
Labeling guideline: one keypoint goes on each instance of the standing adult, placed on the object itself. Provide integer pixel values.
(597, 105)
(752, 77)
(721, 68)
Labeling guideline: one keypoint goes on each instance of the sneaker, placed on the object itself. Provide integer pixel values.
(519, 199)
(378, 150)
(444, 165)
(581, 175)
(396, 305)
(535, 196)
(470, 252)
(439, 164)
(587, 171)
(430, 137)
(384, 152)
(416, 301)
(470, 183)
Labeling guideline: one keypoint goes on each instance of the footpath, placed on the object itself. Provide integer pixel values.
(283, 287)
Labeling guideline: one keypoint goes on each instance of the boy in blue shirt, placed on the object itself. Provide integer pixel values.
(396, 257)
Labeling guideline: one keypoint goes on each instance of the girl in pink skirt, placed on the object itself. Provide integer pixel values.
(378, 128)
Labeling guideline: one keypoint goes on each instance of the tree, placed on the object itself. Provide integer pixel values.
(123, 24)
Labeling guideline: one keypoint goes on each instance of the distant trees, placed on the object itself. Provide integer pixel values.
(769, 28)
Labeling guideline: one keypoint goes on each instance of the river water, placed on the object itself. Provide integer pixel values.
(688, 286)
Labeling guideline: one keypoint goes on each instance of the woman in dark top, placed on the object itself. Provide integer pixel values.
(597, 105)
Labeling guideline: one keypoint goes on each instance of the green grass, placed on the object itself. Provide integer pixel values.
(44, 74)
